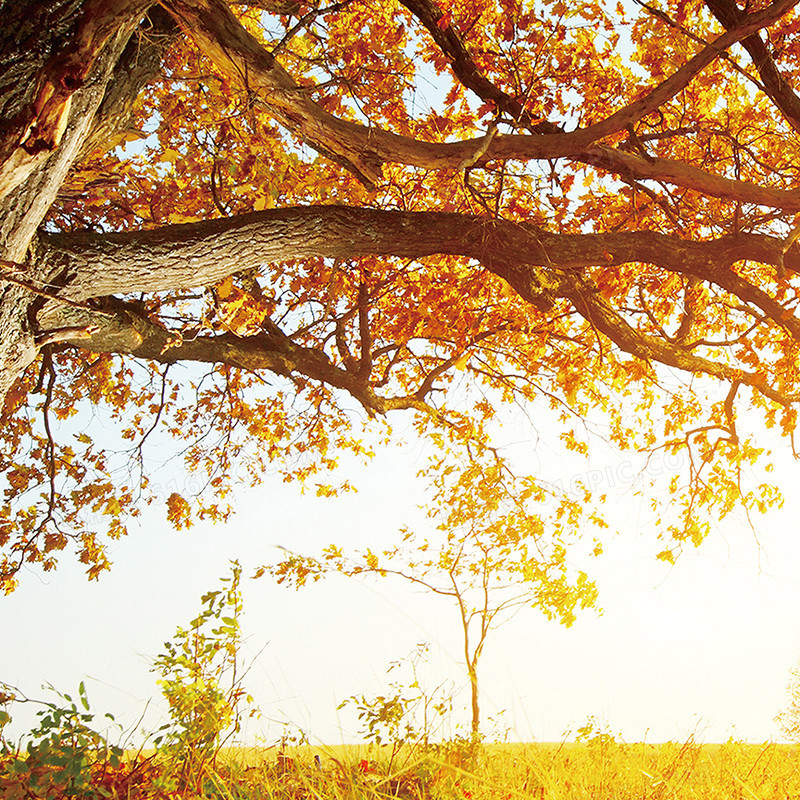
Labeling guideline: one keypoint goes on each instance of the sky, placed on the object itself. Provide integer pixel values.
(702, 648)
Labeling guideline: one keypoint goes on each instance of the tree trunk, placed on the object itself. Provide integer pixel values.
(472, 670)
(67, 83)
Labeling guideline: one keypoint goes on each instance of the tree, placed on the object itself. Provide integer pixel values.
(490, 560)
(597, 207)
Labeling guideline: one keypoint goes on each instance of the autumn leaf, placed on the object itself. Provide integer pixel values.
(178, 511)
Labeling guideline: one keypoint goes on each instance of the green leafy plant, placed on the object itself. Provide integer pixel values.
(63, 755)
(407, 715)
(201, 679)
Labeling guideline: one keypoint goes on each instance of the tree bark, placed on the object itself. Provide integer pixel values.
(201, 253)
(56, 61)
(51, 52)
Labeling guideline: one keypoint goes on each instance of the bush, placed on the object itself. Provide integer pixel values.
(63, 758)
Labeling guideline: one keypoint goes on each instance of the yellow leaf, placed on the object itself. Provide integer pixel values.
(462, 361)
(225, 289)
(178, 511)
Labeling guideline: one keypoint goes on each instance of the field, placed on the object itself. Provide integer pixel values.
(598, 769)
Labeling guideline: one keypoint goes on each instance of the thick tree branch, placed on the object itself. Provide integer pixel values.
(185, 256)
(776, 87)
(649, 348)
(541, 266)
(41, 113)
(681, 78)
(678, 173)
(119, 327)
(452, 45)
(744, 27)
(288, 7)
(138, 65)
(243, 60)
(364, 149)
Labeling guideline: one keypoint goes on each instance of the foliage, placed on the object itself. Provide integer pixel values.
(64, 757)
(597, 737)
(385, 718)
(408, 717)
(450, 209)
(598, 765)
(201, 679)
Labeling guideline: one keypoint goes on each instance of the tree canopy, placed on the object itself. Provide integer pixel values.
(230, 222)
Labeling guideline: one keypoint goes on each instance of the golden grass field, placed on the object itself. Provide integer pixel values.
(599, 769)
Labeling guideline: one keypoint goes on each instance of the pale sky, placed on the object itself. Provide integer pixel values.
(703, 647)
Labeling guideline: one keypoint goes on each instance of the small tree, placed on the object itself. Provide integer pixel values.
(407, 714)
(496, 550)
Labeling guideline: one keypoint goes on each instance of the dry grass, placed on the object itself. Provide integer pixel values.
(600, 769)
(597, 770)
